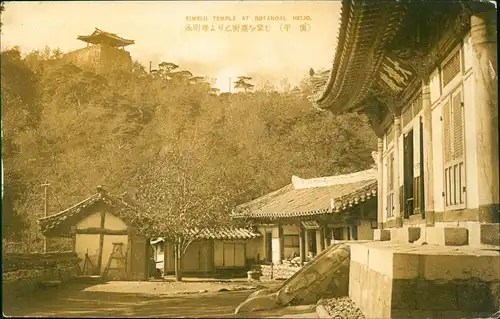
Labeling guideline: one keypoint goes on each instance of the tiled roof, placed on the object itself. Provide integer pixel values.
(312, 197)
(228, 233)
(98, 35)
(360, 50)
(60, 222)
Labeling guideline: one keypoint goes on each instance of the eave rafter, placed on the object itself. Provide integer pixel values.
(411, 43)
(361, 38)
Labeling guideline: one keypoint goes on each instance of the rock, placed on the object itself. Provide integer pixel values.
(222, 290)
(263, 292)
(343, 307)
(266, 302)
(314, 278)
(202, 291)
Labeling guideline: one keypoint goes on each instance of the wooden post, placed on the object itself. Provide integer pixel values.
(73, 238)
(322, 237)
(45, 210)
(397, 204)
(101, 245)
(302, 245)
(281, 244)
(307, 238)
(380, 179)
(485, 71)
(328, 236)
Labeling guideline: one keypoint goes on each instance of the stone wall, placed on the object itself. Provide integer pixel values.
(22, 273)
(389, 280)
(277, 271)
(100, 58)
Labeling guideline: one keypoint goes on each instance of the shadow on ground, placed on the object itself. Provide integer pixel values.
(75, 301)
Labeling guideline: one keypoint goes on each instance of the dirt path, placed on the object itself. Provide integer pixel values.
(144, 299)
(73, 302)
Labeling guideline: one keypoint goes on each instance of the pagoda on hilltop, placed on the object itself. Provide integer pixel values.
(100, 37)
(104, 51)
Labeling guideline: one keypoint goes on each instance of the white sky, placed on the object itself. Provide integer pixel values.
(158, 28)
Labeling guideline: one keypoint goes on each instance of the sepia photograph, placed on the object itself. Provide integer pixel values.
(333, 159)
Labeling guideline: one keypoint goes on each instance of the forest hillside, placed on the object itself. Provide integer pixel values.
(165, 136)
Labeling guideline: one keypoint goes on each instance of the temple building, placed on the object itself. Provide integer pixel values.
(306, 216)
(427, 80)
(104, 51)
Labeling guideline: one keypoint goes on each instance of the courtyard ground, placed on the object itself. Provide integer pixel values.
(190, 298)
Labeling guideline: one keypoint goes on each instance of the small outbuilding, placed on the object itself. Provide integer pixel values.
(215, 250)
(102, 237)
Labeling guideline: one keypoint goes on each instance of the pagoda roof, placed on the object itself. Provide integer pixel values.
(99, 37)
(378, 42)
(360, 50)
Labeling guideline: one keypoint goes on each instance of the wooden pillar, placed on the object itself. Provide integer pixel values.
(101, 244)
(428, 178)
(322, 236)
(328, 236)
(397, 206)
(485, 72)
(73, 238)
(380, 179)
(281, 244)
(302, 245)
(306, 240)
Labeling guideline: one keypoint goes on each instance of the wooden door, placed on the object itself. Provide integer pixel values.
(169, 257)
(138, 258)
(228, 255)
(191, 260)
(206, 256)
(408, 174)
(422, 181)
(239, 255)
(269, 246)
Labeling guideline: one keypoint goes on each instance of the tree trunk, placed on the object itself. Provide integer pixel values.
(178, 262)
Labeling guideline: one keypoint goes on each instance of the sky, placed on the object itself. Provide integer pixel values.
(159, 29)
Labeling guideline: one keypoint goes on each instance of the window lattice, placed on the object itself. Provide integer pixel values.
(412, 110)
(454, 168)
(446, 132)
(451, 69)
(458, 135)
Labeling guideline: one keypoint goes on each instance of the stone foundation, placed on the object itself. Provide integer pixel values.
(465, 233)
(277, 271)
(389, 280)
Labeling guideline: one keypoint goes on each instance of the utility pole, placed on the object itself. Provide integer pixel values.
(150, 64)
(45, 210)
(230, 85)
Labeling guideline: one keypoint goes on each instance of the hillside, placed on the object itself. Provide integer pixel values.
(165, 135)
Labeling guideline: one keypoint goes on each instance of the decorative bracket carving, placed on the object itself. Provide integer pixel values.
(373, 112)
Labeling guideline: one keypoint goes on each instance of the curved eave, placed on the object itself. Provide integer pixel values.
(343, 205)
(361, 40)
(97, 39)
